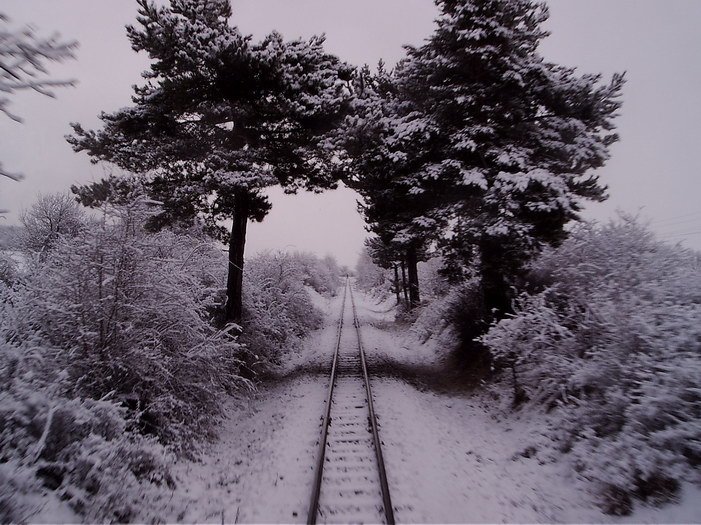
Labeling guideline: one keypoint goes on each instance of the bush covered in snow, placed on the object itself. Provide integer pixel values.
(8, 270)
(50, 217)
(278, 310)
(9, 237)
(447, 310)
(78, 451)
(369, 277)
(611, 338)
(107, 354)
(125, 314)
(323, 275)
(110, 364)
(433, 283)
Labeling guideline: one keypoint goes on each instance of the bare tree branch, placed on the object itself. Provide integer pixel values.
(23, 66)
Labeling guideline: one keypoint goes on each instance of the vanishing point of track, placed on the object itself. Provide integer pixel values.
(350, 484)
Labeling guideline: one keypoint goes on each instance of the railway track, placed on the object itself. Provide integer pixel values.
(350, 484)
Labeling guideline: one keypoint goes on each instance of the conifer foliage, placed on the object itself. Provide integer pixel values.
(513, 138)
(222, 118)
(477, 146)
(386, 146)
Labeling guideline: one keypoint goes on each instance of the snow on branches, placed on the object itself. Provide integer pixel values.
(24, 57)
(126, 315)
(613, 342)
(223, 118)
(517, 136)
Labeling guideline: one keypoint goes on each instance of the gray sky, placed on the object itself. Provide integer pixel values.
(655, 169)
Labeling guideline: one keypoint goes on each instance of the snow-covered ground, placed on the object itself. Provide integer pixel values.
(451, 456)
(261, 470)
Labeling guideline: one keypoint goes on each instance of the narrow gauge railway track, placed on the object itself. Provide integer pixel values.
(350, 484)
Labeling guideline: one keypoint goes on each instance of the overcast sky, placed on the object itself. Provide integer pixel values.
(655, 169)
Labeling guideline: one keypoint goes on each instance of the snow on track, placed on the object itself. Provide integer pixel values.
(351, 490)
(451, 457)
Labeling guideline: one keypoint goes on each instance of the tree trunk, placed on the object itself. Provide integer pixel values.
(412, 262)
(494, 273)
(234, 283)
(396, 284)
(404, 286)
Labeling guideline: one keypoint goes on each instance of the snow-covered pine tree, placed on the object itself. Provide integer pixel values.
(387, 143)
(516, 139)
(221, 118)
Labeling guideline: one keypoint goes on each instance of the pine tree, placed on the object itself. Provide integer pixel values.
(515, 138)
(386, 145)
(221, 119)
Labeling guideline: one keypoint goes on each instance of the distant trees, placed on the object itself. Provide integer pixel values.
(395, 256)
(221, 119)
(23, 60)
(49, 218)
(9, 237)
(368, 276)
(385, 257)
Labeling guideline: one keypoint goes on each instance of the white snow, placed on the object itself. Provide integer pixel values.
(450, 456)
(261, 470)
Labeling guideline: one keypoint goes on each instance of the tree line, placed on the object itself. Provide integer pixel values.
(473, 146)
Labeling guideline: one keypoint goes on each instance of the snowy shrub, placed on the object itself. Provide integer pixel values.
(440, 313)
(106, 354)
(17, 486)
(81, 451)
(449, 319)
(371, 278)
(48, 219)
(613, 339)
(323, 275)
(432, 283)
(436, 318)
(9, 237)
(278, 311)
(8, 270)
(125, 314)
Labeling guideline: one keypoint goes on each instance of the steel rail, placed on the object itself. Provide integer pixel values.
(384, 486)
(316, 489)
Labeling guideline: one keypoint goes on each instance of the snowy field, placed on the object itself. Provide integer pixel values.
(451, 456)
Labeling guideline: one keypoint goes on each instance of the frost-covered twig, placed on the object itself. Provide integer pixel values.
(41, 444)
(23, 66)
